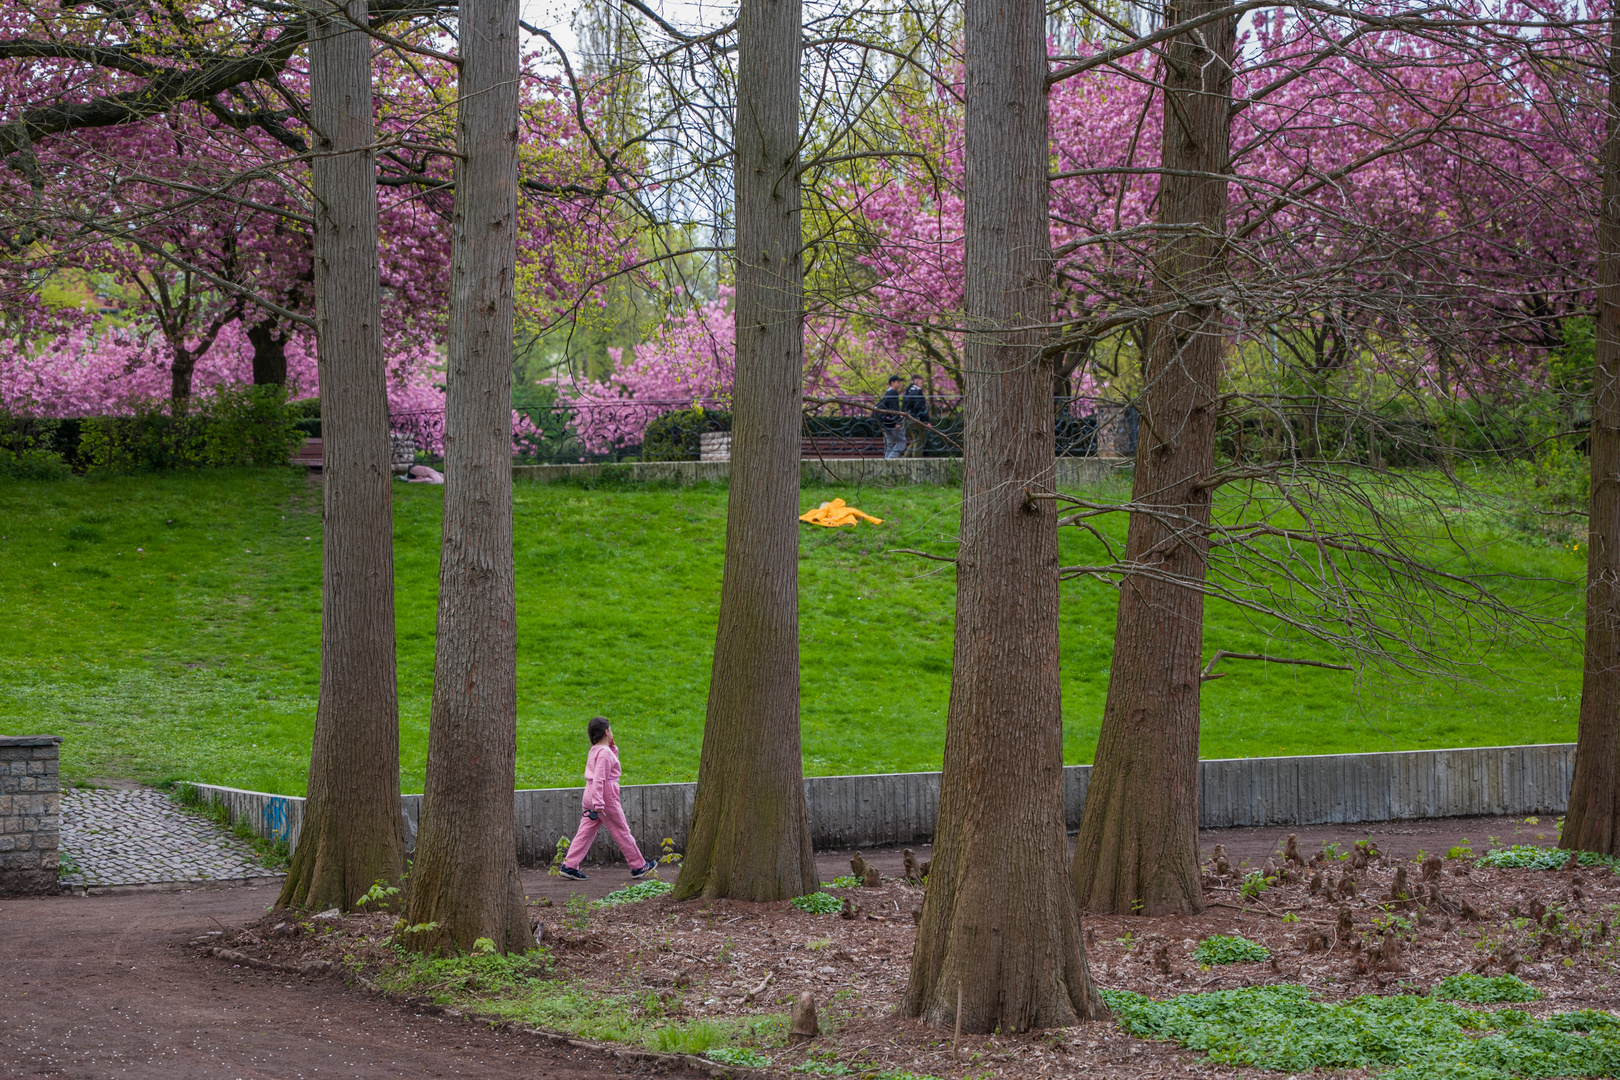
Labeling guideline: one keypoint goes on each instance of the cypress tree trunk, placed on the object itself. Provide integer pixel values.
(270, 346)
(352, 835)
(1000, 925)
(750, 833)
(1593, 820)
(465, 877)
(1137, 852)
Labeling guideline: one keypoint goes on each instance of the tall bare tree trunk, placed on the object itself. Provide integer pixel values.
(1137, 852)
(465, 877)
(1593, 820)
(269, 343)
(750, 832)
(1000, 928)
(352, 835)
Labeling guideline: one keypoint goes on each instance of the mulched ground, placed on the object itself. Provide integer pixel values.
(727, 959)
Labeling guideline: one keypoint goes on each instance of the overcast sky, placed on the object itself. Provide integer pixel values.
(557, 16)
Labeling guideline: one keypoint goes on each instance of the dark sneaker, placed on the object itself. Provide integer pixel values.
(570, 872)
(650, 866)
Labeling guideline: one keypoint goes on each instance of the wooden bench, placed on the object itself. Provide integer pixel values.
(841, 446)
(308, 455)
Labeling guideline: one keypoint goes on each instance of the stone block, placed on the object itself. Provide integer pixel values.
(5, 805)
(8, 843)
(19, 767)
(25, 841)
(26, 783)
(19, 860)
(36, 768)
(53, 803)
(29, 880)
(8, 783)
(47, 753)
(47, 840)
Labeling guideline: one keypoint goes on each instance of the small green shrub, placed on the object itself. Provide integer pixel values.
(1223, 949)
(234, 426)
(1254, 883)
(641, 890)
(28, 449)
(843, 882)
(1484, 990)
(675, 436)
(818, 903)
(559, 856)
(380, 895)
(249, 425)
(32, 465)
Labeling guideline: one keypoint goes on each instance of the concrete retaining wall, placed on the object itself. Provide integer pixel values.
(901, 808)
(869, 472)
(274, 817)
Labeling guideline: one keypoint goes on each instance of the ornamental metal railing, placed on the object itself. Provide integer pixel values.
(627, 429)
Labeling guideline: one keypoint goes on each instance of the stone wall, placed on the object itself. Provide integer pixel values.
(868, 472)
(30, 813)
(901, 808)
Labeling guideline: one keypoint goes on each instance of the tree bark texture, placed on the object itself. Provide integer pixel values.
(465, 877)
(1137, 852)
(353, 835)
(269, 343)
(1593, 820)
(750, 831)
(1000, 929)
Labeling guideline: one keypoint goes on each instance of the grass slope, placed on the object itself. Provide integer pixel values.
(168, 626)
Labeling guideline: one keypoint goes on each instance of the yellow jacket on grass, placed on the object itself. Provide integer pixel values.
(836, 513)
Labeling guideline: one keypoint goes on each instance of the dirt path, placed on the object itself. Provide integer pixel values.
(102, 987)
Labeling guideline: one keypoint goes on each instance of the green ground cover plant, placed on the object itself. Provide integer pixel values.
(524, 988)
(1536, 857)
(1398, 1037)
(168, 626)
(641, 890)
(818, 903)
(1224, 949)
(1484, 989)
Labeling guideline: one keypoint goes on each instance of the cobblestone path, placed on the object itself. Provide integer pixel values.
(138, 837)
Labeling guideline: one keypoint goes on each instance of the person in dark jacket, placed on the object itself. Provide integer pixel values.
(915, 406)
(892, 420)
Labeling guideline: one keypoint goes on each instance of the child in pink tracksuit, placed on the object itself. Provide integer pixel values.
(601, 804)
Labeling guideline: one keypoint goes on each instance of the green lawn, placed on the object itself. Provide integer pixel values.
(168, 627)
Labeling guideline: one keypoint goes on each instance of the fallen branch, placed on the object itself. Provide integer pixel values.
(231, 956)
(923, 554)
(1222, 654)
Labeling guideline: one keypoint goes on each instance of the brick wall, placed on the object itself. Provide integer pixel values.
(30, 813)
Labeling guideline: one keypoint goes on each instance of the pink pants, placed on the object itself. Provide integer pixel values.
(612, 815)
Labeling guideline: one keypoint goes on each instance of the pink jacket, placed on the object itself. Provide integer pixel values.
(601, 776)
